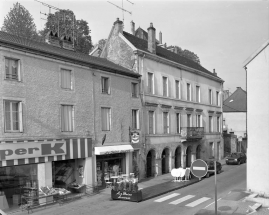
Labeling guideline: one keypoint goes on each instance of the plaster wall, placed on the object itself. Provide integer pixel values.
(258, 123)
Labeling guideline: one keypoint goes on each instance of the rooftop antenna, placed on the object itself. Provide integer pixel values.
(122, 8)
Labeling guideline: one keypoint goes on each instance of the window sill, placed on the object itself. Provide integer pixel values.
(105, 93)
(13, 132)
(13, 80)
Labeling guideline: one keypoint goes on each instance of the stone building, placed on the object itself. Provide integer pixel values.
(257, 68)
(182, 102)
(66, 116)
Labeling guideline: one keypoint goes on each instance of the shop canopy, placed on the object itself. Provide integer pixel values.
(105, 150)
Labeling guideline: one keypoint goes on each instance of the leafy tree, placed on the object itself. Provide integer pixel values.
(188, 54)
(65, 22)
(20, 22)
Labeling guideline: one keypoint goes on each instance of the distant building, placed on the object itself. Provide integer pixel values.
(182, 103)
(257, 69)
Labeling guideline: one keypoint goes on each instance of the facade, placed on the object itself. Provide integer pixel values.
(52, 102)
(182, 107)
(257, 68)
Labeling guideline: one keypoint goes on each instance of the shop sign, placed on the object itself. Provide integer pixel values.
(135, 137)
(11, 151)
(127, 196)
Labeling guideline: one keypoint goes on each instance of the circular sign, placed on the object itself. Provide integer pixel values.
(199, 168)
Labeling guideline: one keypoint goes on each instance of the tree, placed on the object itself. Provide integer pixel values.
(65, 23)
(187, 54)
(19, 22)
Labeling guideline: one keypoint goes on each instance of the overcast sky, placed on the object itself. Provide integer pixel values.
(222, 33)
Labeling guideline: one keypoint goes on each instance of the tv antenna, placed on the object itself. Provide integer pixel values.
(122, 8)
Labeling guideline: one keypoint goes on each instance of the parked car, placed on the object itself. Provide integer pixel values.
(211, 165)
(236, 158)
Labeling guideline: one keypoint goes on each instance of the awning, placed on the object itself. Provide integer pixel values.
(105, 150)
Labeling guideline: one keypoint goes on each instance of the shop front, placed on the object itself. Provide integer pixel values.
(28, 169)
(111, 162)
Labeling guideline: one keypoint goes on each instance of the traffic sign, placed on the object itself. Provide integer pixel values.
(199, 168)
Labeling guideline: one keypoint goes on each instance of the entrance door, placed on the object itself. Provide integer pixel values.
(188, 157)
(198, 152)
(178, 157)
(165, 161)
(149, 164)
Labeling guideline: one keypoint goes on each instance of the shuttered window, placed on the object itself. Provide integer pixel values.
(150, 83)
(177, 85)
(106, 118)
(13, 116)
(178, 122)
(165, 123)
(165, 86)
(151, 122)
(188, 92)
(105, 85)
(67, 118)
(12, 71)
(198, 94)
(135, 119)
(66, 79)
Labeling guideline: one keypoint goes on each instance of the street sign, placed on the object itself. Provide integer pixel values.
(199, 168)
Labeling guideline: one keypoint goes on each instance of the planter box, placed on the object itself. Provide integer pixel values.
(126, 196)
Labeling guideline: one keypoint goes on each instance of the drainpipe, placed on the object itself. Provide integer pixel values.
(94, 129)
(246, 106)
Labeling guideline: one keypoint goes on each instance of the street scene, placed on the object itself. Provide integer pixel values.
(134, 107)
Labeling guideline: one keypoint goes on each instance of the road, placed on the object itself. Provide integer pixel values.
(185, 201)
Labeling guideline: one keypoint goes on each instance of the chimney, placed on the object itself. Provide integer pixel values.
(214, 73)
(133, 27)
(118, 27)
(160, 37)
(52, 39)
(151, 39)
(67, 43)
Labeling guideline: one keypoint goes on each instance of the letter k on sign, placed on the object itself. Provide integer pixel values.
(47, 148)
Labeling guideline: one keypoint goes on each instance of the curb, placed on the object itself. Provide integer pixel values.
(167, 191)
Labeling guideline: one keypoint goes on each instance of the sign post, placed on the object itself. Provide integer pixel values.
(199, 168)
(215, 168)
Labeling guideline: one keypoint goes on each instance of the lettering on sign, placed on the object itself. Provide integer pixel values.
(124, 195)
(116, 151)
(10, 151)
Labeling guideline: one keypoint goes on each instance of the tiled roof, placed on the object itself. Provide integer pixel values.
(237, 102)
(62, 54)
(162, 52)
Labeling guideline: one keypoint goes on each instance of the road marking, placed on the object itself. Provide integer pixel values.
(167, 197)
(181, 200)
(197, 202)
(198, 168)
(212, 203)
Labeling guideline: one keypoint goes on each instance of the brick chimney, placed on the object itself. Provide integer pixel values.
(118, 26)
(152, 39)
(160, 37)
(133, 27)
(67, 42)
(214, 73)
(52, 39)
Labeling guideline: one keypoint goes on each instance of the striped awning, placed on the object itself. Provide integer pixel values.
(75, 148)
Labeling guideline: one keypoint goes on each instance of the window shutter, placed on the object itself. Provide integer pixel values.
(20, 117)
(201, 121)
(137, 120)
(19, 70)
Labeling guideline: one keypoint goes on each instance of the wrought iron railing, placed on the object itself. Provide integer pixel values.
(192, 132)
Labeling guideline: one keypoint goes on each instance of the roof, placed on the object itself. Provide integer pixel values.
(162, 52)
(237, 102)
(256, 53)
(44, 49)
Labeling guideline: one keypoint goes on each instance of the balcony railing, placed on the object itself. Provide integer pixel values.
(192, 132)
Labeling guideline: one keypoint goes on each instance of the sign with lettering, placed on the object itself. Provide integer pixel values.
(127, 196)
(11, 151)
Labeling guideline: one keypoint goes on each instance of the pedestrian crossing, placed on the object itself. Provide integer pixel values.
(176, 199)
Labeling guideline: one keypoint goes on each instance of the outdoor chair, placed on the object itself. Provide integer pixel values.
(182, 174)
(187, 174)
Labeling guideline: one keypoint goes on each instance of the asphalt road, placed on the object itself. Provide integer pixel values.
(185, 201)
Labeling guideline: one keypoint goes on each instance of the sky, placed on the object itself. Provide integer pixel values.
(222, 33)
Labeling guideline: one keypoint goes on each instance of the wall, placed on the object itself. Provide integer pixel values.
(42, 97)
(258, 122)
(237, 122)
(229, 143)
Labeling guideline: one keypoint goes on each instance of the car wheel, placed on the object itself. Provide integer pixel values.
(207, 175)
(227, 163)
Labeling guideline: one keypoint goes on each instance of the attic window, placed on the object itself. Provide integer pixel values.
(231, 100)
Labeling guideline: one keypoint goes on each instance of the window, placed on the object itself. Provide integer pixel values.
(177, 84)
(199, 121)
(106, 118)
(198, 94)
(165, 123)
(210, 124)
(165, 86)
(67, 119)
(218, 124)
(188, 92)
(12, 69)
(66, 79)
(211, 150)
(13, 116)
(105, 85)
(189, 124)
(217, 98)
(210, 96)
(134, 90)
(150, 83)
(178, 122)
(135, 119)
(151, 122)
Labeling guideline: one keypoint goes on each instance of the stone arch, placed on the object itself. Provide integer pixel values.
(188, 155)
(199, 152)
(165, 158)
(178, 157)
(150, 163)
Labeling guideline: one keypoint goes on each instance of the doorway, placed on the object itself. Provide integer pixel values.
(150, 163)
(165, 161)
(178, 157)
(198, 152)
(188, 156)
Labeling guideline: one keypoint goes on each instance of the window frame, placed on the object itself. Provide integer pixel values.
(189, 94)
(165, 87)
(210, 124)
(189, 120)
(18, 79)
(103, 90)
(177, 89)
(167, 129)
(153, 122)
(72, 117)
(178, 123)
(110, 116)
(20, 116)
(134, 86)
(198, 99)
(217, 98)
(218, 124)
(152, 89)
(71, 78)
(210, 96)
(199, 120)
(137, 114)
